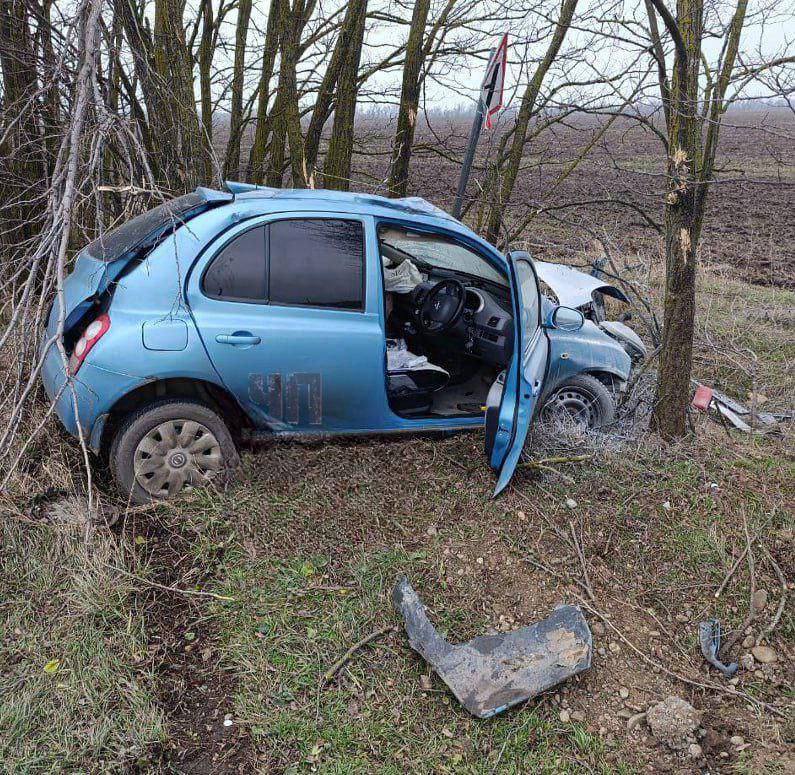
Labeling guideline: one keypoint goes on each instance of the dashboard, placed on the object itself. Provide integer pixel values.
(485, 328)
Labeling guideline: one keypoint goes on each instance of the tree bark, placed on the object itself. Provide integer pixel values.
(232, 160)
(682, 222)
(256, 159)
(337, 166)
(409, 101)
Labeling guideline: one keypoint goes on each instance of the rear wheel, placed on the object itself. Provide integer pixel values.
(165, 447)
(582, 400)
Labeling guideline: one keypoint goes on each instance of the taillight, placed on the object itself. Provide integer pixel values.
(93, 333)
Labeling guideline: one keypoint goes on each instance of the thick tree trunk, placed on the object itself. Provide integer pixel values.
(179, 152)
(337, 166)
(409, 102)
(509, 167)
(682, 227)
(232, 160)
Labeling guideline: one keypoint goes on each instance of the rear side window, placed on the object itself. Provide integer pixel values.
(239, 271)
(317, 262)
(146, 227)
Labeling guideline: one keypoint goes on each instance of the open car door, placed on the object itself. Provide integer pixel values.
(510, 405)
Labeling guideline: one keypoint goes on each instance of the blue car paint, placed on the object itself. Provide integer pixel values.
(162, 326)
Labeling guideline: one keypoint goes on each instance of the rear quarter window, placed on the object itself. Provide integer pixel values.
(147, 226)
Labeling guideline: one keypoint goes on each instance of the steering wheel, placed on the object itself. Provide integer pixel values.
(442, 307)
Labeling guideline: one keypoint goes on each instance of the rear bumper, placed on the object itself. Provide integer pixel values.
(86, 402)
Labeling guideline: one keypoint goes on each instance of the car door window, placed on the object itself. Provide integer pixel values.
(317, 262)
(529, 295)
(239, 271)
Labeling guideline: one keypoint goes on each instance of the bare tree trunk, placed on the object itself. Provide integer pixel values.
(337, 166)
(256, 159)
(672, 395)
(409, 102)
(509, 166)
(205, 57)
(232, 160)
(163, 64)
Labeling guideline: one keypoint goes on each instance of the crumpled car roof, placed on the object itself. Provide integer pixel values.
(572, 287)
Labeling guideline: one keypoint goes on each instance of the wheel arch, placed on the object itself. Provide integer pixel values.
(213, 395)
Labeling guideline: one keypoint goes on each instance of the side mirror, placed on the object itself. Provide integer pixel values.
(565, 319)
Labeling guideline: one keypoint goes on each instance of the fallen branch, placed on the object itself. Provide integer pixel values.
(578, 549)
(148, 583)
(781, 604)
(546, 462)
(343, 660)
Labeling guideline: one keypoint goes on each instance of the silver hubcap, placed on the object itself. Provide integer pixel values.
(176, 453)
(575, 406)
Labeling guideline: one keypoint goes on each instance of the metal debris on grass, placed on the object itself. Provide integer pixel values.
(493, 672)
(709, 640)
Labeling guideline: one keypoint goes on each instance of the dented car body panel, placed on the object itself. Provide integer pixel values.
(491, 673)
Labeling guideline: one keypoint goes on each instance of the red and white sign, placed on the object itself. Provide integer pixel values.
(494, 80)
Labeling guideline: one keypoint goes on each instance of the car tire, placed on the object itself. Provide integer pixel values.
(582, 398)
(163, 447)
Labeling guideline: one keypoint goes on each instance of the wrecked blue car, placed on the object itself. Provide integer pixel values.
(220, 317)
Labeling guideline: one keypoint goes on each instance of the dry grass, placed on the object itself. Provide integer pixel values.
(308, 545)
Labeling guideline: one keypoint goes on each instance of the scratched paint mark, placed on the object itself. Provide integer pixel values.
(314, 397)
(284, 403)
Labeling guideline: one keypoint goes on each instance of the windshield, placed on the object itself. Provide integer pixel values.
(147, 226)
(436, 250)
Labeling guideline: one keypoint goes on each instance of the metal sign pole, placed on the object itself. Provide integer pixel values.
(474, 135)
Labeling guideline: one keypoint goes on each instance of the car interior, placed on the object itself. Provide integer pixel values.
(449, 325)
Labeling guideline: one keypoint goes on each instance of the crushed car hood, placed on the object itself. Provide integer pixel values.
(572, 287)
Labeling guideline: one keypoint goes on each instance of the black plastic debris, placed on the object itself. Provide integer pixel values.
(709, 640)
(493, 672)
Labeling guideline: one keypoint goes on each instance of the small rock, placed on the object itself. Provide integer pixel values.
(578, 716)
(748, 642)
(694, 750)
(571, 503)
(521, 516)
(673, 722)
(681, 618)
(734, 681)
(667, 505)
(425, 683)
(565, 716)
(759, 674)
(623, 692)
(759, 601)
(724, 754)
(601, 652)
(614, 647)
(479, 561)
(737, 740)
(598, 628)
(764, 654)
(432, 531)
(747, 661)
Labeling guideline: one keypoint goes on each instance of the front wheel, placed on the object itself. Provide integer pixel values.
(582, 400)
(162, 448)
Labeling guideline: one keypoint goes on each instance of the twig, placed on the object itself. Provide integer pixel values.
(737, 562)
(147, 582)
(340, 663)
(781, 604)
(752, 574)
(550, 461)
(581, 555)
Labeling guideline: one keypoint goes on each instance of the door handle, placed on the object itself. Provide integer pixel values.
(536, 387)
(238, 338)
